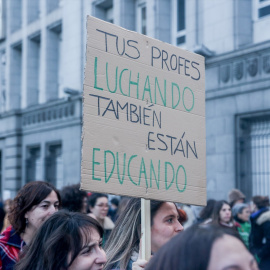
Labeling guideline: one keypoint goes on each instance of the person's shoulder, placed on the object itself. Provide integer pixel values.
(108, 223)
(4, 242)
(92, 216)
(264, 217)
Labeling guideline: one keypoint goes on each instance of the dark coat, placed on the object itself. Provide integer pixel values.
(259, 239)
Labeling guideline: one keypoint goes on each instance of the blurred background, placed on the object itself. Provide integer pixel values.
(42, 57)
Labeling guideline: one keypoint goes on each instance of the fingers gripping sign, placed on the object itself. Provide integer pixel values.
(139, 264)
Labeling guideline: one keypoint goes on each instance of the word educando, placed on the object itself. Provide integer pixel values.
(150, 174)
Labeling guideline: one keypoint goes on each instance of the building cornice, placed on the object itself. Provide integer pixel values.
(245, 51)
(238, 72)
(61, 112)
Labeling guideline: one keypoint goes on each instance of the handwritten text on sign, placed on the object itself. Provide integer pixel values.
(144, 117)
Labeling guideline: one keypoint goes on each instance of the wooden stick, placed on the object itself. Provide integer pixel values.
(146, 229)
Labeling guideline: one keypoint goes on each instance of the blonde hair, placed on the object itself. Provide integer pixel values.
(125, 237)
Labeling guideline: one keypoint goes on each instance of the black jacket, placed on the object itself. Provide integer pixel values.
(259, 239)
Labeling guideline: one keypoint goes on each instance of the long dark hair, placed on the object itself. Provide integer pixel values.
(217, 208)
(207, 211)
(190, 249)
(59, 241)
(30, 195)
(125, 237)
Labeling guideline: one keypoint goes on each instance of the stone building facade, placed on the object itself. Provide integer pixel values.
(42, 68)
(42, 53)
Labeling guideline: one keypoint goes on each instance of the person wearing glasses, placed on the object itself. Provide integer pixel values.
(99, 207)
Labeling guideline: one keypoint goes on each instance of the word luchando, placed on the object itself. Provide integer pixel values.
(143, 81)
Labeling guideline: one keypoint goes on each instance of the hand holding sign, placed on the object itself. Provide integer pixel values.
(139, 264)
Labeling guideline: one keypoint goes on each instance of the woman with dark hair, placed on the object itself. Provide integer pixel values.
(66, 241)
(222, 214)
(122, 247)
(202, 247)
(34, 203)
(99, 207)
(260, 231)
(74, 199)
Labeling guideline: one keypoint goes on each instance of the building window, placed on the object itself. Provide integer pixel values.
(109, 15)
(253, 154)
(180, 40)
(16, 75)
(16, 15)
(33, 167)
(54, 164)
(264, 11)
(181, 26)
(181, 15)
(2, 81)
(2, 19)
(179, 22)
(263, 7)
(103, 9)
(33, 69)
(52, 5)
(141, 19)
(54, 60)
(33, 10)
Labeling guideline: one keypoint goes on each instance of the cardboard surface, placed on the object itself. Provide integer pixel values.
(143, 117)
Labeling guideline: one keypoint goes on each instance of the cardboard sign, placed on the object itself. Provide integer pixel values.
(143, 117)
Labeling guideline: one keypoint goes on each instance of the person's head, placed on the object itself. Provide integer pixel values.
(236, 196)
(164, 224)
(207, 211)
(66, 241)
(34, 203)
(114, 203)
(260, 201)
(183, 217)
(7, 205)
(98, 205)
(74, 199)
(204, 247)
(125, 237)
(222, 212)
(241, 212)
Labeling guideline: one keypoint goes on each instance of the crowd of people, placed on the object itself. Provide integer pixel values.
(70, 229)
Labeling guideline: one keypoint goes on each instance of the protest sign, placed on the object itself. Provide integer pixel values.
(143, 117)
